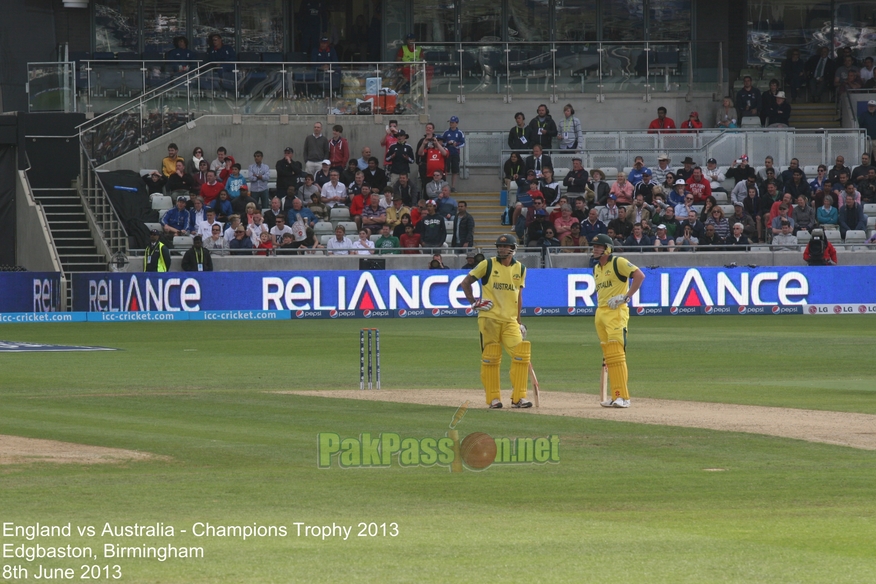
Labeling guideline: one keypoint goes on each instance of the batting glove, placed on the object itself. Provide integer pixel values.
(523, 331)
(617, 301)
(482, 305)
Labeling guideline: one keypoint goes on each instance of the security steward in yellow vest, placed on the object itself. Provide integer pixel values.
(612, 275)
(157, 258)
(502, 281)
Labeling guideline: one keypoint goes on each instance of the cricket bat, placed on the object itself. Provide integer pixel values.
(603, 383)
(534, 383)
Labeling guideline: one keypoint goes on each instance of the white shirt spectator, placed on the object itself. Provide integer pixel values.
(334, 244)
(334, 195)
(256, 233)
(365, 246)
(715, 177)
(278, 234)
(205, 230)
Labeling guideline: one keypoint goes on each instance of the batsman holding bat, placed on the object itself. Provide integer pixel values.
(502, 280)
(612, 274)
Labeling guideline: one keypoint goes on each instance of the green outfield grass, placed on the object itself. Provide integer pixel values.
(626, 503)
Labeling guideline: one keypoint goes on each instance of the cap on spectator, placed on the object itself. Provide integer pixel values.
(780, 95)
(431, 202)
(711, 161)
(328, 162)
(613, 197)
(182, 199)
(530, 171)
(680, 182)
(540, 212)
(663, 156)
(688, 160)
(646, 172)
(403, 133)
(453, 119)
(661, 226)
(738, 204)
(695, 115)
(154, 232)
(410, 36)
(324, 40)
(744, 157)
(240, 229)
(871, 102)
(288, 149)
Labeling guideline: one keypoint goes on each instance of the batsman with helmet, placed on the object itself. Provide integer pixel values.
(613, 274)
(502, 281)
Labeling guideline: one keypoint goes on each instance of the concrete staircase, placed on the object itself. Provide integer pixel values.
(487, 214)
(69, 230)
(814, 115)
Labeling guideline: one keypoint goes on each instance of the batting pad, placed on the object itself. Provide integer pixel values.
(616, 361)
(490, 361)
(520, 370)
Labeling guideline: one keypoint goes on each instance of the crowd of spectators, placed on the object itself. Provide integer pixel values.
(233, 207)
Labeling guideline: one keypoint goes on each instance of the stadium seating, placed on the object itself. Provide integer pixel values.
(856, 236)
(323, 227)
(182, 241)
(339, 214)
(833, 235)
(160, 202)
(350, 226)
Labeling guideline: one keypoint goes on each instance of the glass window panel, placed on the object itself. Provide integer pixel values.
(115, 26)
(777, 26)
(261, 26)
(481, 20)
(576, 20)
(669, 20)
(162, 21)
(210, 17)
(434, 22)
(528, 20)
(623, 21)
(395, 27)
(856, 26)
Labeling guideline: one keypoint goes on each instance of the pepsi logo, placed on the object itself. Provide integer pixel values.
(813, 310)
(366, 313)
(837, 309)
(571, 310)
(709, 309)
(862, 309)
(333, 313)
(742, 309)
(673, 310)
(299, 314)
(640, 311)
(537, 311)
(436, 312)
(470, 311)
(776, 309)
(402, 313)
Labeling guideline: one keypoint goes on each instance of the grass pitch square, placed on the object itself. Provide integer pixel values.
(234, 473)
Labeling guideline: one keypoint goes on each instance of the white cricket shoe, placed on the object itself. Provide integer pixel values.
(620, 403)
(606, 404)
(521, 403)
(496, 404)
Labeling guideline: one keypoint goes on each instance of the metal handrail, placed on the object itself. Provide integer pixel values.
(112, 230)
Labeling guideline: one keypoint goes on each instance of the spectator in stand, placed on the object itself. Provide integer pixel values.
(592, 226)
(784, 215)
(363, 245)
(333, 192)
(726, 115)
(200, 174)
(817, 183)
(699, 186)
(849, 190)
(661, 123)
(513, 170)
(308, 189)
(316, 149)
(709, 204)
(599, 186)
(667, 217)
(463, 227)
(573, 241)
(221, 53)
(272, 213)
(645, 187)
(738, 237)
(543, 128)
(257, 227)
(740, 217)
(205, 229)
(548, 239)
(265, 245)
(446, 205)
(768, 101)
(236, 182)
(223, 207)
(714, 175)
(639, 168)
(259, 175)
(219, 163)
(241, 203)
(396, 211)
(155, 182)
(362, 162)
(570, 135)
(679, 195)
(868, 187)
(798, 186)
(779, 115)
(198, 211)
(406, 189)
(837, 169)
(622, 189)
(691, 124)
(216, 243)
(621, 226)
(557, 212)
(740, 191)
(616, 242)
(181, 52)
(180, 183)
(536, 228)
(820, 69)
(348, 176)
(637, 240)
(771, 178)
(386, 242)
(693, 221)
(538, 161)
(240, 244)
(410, 240)
(747, 100)
(324, 174)
(819, 251)
(662, 241)
(684, 208)
(550, 188)
(639, 212)
(662, 168)
(860, 172)
(358, 204)
(576, 181)
(280, 229)
(375, 176)
(340, 244)
(722, 226)
(520, 137)
(687, 240)
(168, 163)
(686, 170)
(432, 228)
(194, 165)
(610, 211)
(784, 240)
(417, 212)
(454, 141)
(319, 210)
(740, 170)
(851, 216)
(389, 138)
(301, 214)
(288, 171)
(432, 155)
(710, 240)
(178, 221)
(399, 157)
(563, 224)
(373, 215)
(339, 149)
(291, 195)
(768, 163)
(851, 82)
(868, 120)
(580, 209)
(865, 73)
(668, 185)
(434, 188)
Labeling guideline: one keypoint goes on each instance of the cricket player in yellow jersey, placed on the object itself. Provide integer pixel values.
(502, 281)
(613, 274)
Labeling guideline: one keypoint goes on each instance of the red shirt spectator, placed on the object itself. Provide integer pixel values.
(691, 124)
(357, 205)
(410, 240)
(661, 123)
(339, 149)
(210, 191)
(699, 186)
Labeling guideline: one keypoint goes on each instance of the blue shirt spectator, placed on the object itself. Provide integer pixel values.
(221, 53)
(179, 218)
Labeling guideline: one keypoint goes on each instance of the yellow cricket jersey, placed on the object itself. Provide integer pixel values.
(612, 279)
(502, 285)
